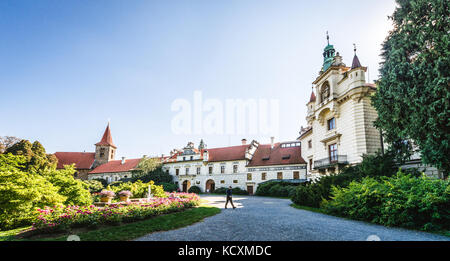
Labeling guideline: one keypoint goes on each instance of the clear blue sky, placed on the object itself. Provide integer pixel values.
(66, 67)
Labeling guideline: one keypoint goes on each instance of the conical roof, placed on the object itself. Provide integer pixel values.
(313, 97)
(356, 63)
(107, 138)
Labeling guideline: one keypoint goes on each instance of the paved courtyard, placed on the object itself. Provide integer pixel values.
(272, 219)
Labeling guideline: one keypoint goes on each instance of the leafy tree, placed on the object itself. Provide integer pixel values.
(36, 158)
(157, 175)
(413, 96)
(74, 190)
(22, 192)
(6, 142)
(147, 165)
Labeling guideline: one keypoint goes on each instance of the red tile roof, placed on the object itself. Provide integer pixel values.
(265, 156)
(313, 97)
(107, 138)
(116, 166)
(82, 160)
(227, 153)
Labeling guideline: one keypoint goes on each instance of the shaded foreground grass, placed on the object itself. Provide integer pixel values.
(133, 230)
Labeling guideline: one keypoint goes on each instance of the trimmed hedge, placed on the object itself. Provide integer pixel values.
(195, 189)
(235, 191)
(277, 189)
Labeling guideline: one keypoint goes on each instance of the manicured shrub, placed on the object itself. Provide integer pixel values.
(235, 191)
(276, 189)
(194, 189)
(402, 200)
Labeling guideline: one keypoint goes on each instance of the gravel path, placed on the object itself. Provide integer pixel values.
(271, 219)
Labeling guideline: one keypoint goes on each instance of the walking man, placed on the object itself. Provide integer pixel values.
(229, 197)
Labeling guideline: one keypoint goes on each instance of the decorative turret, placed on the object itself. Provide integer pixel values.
(328, 55)
(312, 98)
(355, 63)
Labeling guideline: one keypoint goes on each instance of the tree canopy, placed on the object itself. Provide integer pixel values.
(413, 93)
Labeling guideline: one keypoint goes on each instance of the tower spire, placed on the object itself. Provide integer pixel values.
(355, 63)
(328, 38)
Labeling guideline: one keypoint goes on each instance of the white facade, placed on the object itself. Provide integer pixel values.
(340, 120)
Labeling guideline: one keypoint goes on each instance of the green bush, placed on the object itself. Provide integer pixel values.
(195, 189)
(139, 189)
(157, 175)
(308, 195)
(401, 200)
(376, 166)
(235, 191)
(73, 189)
(21, 193)
(276, 189)
(103, 181)
(93, 185)
(169, 187)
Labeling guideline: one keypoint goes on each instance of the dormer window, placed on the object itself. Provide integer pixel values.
(285, 157)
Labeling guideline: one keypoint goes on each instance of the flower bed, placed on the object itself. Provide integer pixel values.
(62, 218)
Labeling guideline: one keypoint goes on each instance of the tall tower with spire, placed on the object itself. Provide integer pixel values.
(105, 150)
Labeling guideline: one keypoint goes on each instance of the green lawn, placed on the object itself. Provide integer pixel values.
(133, 230)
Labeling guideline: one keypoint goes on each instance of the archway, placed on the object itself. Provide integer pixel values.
(210, 186)
(186, 185)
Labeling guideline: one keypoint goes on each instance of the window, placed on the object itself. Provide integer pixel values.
(192, 157)
(184, 158)
(333, 153)
(296, 175)
(263, 176)
(177, 172)
(235, 181)
(210, 169)
(310, 164)
(102, 152)
(331, 124)
(280, 175)
(222, 182)
(187, 171)
(198, 171)
(222, 169)
(309, 144)
(249, 176)
(235, 168)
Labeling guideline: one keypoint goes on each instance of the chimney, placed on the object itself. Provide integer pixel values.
(244, 142)
(272, 142)
(123, 160)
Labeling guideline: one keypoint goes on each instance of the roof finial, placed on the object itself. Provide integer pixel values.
(328, 38)
(354, 48)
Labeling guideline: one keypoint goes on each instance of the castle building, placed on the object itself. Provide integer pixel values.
(340, 117)
(100, 164)
(243, 166)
